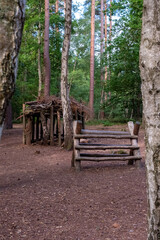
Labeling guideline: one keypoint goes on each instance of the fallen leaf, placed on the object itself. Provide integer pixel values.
(116, 225)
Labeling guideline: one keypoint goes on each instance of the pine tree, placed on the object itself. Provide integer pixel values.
(47, 68)
(91, 98)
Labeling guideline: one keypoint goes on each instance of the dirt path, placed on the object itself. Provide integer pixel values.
(42, 198)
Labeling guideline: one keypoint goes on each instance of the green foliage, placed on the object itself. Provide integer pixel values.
(108, 122)
(124, 85)
(99, 122)
(27, 78)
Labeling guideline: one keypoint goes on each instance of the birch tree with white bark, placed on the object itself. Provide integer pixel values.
(150, 75)
(67, 113)
(11, 26)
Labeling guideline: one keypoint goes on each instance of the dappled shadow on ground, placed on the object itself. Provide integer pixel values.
(42, 198)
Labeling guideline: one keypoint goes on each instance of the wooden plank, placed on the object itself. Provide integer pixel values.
(51, 126)
(88, 131)
(24, 125)
(83, 120)
(45, 128)
(33, 127)
(105, 136)
(134, 129)
(77, 126)
(101, 144)
(37, 129)
(28, 131)
(131, 127)
(41, 131)
(103, 155)
(99, 159)
(103, 147)
(59, 128)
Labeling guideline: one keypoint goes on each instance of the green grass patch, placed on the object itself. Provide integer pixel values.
(108, 122)
(99, 122)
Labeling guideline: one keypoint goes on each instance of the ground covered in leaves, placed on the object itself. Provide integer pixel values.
(42, 198)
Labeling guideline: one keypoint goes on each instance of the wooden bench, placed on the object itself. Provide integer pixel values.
(79, 146)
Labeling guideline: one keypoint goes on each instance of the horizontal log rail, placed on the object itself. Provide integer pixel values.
(103, 147)
(86, 131)
(98, 159)
(103, 155)
(105, 136)
(132, 155)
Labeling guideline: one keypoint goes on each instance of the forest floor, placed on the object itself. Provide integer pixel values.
(43, 198)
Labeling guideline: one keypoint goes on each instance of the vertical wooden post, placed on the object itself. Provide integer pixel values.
(56, 123)
(83, 122)
(24, 125)
(45, 128)
(76, 114)
(137, 151)
(51, 127)
(33, 127)
(59, 128)
(28, 131)
(37, 128)
(134, 130)
(41, 135)
(131, 129)
(79, 116)
(77, 126)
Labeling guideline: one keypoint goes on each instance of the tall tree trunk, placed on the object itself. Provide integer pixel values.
(110, 39)
(91, 97)
(57, 6)
(64, 6)
(110, 32)
(102, 74)
(67, 113)
(106, 47)
(47, 68)
(12, 13)
(150, 72)
(39, 56)
(57, 9)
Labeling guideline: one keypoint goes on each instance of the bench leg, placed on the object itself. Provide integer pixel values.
(138, 164)
(78, 166)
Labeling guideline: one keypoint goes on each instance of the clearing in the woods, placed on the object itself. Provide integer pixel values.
(42, 198)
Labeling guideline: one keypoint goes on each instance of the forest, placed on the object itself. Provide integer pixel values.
(104, 54)
(116, 74)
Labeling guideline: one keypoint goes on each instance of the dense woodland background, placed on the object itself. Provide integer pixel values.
(122, 88)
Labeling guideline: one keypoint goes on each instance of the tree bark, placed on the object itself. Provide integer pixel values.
(91, 98)
(110, 32)
(47, 68)
(12, 20)
(102, 73)
(57, 9)
(110, 39)
(150, 72)
(39, 56)
(67, 113)
(106, 48)
(57, 6)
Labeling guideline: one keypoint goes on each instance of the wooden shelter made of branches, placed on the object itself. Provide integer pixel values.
(43, 120)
